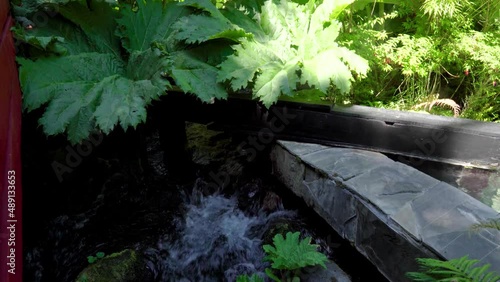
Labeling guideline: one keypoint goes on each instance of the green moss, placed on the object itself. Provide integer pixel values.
(124, 266)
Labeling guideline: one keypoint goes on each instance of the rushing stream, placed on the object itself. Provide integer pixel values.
(217, 240)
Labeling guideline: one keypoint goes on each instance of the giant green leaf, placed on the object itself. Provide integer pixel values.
(152, 22)
(275, 80)
(46, 78)
(212, 24)
(245, 21)
(56, 36)
(195, 76)
(298, 47)
(241, 68)
(123, 101)
(91, 91)
(83, 78)
(200, 28)
(97, 21)
(148, 65)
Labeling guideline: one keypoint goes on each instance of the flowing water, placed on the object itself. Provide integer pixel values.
(184, 232)
(217, 242)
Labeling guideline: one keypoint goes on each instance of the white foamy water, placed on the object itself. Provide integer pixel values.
(217, 242)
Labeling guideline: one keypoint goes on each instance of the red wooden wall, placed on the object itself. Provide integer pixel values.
(11, 249)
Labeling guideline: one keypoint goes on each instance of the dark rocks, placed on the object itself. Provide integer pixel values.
(271, 202)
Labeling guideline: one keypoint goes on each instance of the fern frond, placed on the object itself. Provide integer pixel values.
(461, 269)
(447, 103)
(493, 224)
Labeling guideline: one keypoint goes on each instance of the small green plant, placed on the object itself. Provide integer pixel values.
(460, 270)
(492, 224)
(246, 278)
(93, 259)
(289, 255)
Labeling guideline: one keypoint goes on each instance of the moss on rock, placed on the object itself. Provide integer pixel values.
(125, 266)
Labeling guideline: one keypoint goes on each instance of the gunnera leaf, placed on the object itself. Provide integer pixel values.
(152, 22)
(82, 79)
(298, 48)
(290, 253)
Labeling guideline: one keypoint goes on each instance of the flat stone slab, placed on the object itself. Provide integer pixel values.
(391, 212)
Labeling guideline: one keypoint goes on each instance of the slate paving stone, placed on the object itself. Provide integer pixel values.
(292, 167)
(468, 243)
(429, 214)
(335, 204)
(492, 235)
(391, 212)
(345, 163)
(406, 218)
(388, 187)
(390, 251)
(301, 149)
(493, 259)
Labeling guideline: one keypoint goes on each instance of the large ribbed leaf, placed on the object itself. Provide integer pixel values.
(70, 90)
(199, 28)
(56, 36)
(81, 75)
(298, 45)
(290, 253)
(195, 76)
(91, 91)
(152, 22)
(97, 21)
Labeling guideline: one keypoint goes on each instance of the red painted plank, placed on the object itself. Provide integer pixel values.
(4, 12)
(11, 256)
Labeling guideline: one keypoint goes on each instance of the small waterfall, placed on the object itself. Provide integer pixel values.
(217, 242)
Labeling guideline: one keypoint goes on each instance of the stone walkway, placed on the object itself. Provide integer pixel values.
(391, 212)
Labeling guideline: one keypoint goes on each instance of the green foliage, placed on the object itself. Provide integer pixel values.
(198, 28)
(147, 23)
(91, 86)
(462, 269)
(93, 259)
(76, 67)
(296, 47)
(289, 255)
(246, 278)
(95, 65)
(493, 224)
(420, 49)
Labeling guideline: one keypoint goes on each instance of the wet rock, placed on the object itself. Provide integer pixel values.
(249, 196)
(125, 266)
(271, 202)
(332, 273)
(280, 226)
(239, 269)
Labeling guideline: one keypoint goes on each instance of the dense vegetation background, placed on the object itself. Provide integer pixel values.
(421, 51)
(94, 65)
